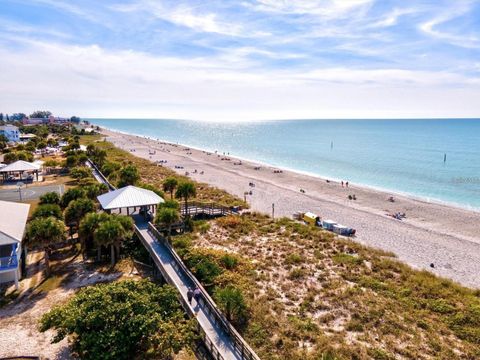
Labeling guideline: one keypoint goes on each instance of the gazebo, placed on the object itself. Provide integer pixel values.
(19, 168)
(129, 198)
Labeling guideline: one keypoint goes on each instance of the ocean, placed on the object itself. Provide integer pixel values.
(401, 156)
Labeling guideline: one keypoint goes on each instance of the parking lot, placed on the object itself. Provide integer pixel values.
(29, 192)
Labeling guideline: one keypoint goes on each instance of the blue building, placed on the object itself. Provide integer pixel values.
(11, 132)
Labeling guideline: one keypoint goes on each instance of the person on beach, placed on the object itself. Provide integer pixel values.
(342, 183)
(190, 296)
(346, 184)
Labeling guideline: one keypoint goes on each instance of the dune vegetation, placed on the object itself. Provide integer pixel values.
(311, 295)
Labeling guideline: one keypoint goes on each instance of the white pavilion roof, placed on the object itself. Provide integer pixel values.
(12, 226)
(20, 165)
(128, 196)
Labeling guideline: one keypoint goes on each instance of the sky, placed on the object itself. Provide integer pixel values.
(241, 60)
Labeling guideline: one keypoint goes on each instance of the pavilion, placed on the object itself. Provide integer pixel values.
(130, 198)
(19, 168)
(12, 230)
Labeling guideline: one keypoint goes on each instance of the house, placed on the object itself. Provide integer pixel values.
(12, 231)
(10, 132)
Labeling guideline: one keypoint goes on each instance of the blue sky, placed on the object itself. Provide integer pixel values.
(241, 60)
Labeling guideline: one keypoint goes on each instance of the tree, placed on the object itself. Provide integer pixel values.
(169, 185)
(80, 172)
(41, 114)
(111, 233)
(230, 300)
(110, 167)
(50, 198)
(94, 190)
(87, 227)
(152, 188)
(77, 209)
(52, 142)
(169, 204)
(128, 176)
(96, 154)
(71, 194)
(17, 117)
(46, 210)
(166, 217)
(75, 119)
(184, 191)
(25, 156)
(10, 157)
(121, 321)
(45, 232)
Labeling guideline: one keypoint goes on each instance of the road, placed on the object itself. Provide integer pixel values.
(30, 192)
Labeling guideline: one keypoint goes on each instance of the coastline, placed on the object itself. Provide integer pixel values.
(411, 196)
(432, 232)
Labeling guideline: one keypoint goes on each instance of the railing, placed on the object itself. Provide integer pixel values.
(8, 262)
(104, 179)
(239, 343)
(207, 208)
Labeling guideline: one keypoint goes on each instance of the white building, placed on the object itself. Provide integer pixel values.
(12, 230)
(10, 132)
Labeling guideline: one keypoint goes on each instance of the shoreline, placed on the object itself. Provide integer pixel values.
(366, 187)
(435, 233)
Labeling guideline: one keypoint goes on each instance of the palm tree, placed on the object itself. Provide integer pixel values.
(230, 299)
(184, 191)
(167, 217)
(169, 185)
(87, 227)
(46, 232)
(76, 210)
(128, 225)
(111, 232)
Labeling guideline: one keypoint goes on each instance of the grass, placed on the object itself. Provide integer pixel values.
(152, 174)
(312, 295)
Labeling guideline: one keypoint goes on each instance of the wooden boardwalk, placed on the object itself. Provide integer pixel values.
(219, 336)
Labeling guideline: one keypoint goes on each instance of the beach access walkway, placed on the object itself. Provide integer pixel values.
(220, 338)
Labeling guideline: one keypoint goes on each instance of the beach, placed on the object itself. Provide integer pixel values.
(432, 236)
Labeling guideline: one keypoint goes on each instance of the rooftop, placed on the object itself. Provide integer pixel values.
(129, 196)
(20, 165)
(12, 227)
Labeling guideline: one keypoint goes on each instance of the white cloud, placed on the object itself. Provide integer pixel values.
(327, 8)
(190, 17)
(92, 81)
(391, 18)
(431, 27)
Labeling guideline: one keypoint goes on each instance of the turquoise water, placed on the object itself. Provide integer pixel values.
(404, 156)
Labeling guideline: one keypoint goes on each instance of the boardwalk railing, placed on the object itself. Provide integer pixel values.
(219, 319)
(99, 173)
(205, 208)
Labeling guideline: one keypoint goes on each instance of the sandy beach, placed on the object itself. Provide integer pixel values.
(445, 236)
